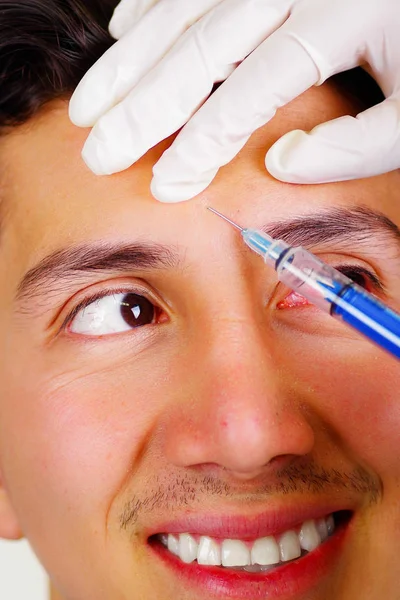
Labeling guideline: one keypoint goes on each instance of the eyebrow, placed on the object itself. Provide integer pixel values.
(340, 225)
(70, 264)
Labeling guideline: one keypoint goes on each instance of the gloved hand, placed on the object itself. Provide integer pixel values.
(158, 76)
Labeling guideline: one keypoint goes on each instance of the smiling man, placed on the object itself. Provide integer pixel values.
(174, 423)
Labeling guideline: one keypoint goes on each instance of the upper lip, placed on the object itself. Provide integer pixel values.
(247, 526)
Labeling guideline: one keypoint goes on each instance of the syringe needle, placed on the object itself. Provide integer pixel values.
(225, 218)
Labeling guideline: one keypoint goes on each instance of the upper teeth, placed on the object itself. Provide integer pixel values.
(263, 551)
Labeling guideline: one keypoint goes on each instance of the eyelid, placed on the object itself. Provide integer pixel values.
(360, 269)
(85, 303)
(126, 288)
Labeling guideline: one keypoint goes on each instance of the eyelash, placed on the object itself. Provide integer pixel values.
(99, 296)
(349, 270)
(352, 271)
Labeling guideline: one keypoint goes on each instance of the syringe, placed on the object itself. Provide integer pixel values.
(326, 287)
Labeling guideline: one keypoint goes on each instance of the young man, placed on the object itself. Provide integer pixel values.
(174, 423)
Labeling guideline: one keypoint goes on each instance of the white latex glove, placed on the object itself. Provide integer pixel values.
(158, 76)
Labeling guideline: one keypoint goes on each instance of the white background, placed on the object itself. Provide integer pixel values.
(21, 575)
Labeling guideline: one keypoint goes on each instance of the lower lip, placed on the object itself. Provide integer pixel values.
(286, 582)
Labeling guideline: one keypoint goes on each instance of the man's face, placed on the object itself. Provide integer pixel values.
(157, 379)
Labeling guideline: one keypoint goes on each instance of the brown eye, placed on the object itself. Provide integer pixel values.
(137, 311)
(112, 313)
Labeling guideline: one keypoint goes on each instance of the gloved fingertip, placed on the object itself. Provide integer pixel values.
(111, 146)
(279, 159)
(77, 110)
(91, 156)
(105, 157)
(172, 193)
(92, 97)
(119, 25)
(79, 117)
(167, 193)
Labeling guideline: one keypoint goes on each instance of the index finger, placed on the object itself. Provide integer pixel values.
(247, 100)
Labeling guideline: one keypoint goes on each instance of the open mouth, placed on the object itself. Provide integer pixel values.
(282, 565)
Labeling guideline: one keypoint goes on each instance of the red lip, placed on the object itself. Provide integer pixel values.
(290, 581)
(247, 527)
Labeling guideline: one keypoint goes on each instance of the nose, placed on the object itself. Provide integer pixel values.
(234, 411)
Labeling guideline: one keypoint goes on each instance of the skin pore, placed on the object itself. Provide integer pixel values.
(230, 402)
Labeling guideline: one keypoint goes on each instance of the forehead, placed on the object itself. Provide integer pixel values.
(55, 201)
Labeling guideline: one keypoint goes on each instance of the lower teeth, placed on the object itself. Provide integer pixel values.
(258, 568)
(264, 568)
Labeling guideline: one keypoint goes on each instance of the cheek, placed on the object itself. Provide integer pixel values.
(357, 395)
(82, 435)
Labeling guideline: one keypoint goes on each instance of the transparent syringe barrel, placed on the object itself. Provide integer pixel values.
(298, 269)
(329, 289)
(306, 274)
(341, 297)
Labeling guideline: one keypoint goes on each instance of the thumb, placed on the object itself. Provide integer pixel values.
(126, 14)
(342, 149)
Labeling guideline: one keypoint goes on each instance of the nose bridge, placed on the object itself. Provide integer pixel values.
(233, 340)
(242, 386)
(238, 415)
(239, 353)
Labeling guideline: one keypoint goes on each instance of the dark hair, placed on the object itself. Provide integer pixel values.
(46, 46)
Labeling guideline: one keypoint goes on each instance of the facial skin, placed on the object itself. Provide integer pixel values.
(229, 404)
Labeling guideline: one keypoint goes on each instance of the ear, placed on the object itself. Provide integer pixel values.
(9, 525)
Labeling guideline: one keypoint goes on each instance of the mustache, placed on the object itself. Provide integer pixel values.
(191, 490)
